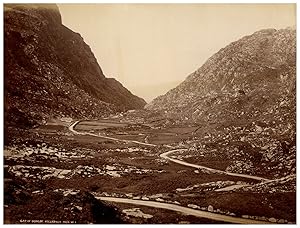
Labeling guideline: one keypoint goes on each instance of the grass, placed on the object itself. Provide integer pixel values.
(175, 176)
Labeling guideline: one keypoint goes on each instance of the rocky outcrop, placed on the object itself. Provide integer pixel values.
(51, 72)
(58, 206)
(243, 100)
(252, 78)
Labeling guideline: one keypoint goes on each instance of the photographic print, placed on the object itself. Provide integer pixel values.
(149, 113)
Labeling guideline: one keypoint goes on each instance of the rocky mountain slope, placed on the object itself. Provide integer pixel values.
(51, 72)
(252, 78)
(243, 100)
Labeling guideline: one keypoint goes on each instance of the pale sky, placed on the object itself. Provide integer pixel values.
(151, 48)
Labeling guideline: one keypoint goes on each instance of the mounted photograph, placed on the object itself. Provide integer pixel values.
(149, 113)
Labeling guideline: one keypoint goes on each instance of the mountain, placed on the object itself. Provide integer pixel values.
(251, 79)
(242, 101)
(50, 71)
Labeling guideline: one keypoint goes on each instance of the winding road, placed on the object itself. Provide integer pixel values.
(170, 206)
(165, 155)
(185, 210)
(71, 128)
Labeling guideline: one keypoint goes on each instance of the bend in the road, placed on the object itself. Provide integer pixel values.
(71, 128)
(174, 207)
(165, 155)
(185, 210)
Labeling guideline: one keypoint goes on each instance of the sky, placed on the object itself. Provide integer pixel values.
(151, 48)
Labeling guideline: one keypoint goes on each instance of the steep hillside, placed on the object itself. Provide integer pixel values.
(51, 72)
(252, 78)
(243, 100)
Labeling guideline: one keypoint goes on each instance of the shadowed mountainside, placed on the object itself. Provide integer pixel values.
(51, 72)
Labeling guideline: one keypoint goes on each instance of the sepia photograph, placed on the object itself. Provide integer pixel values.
(149, 113)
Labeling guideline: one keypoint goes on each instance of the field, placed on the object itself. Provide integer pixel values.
(107, 158)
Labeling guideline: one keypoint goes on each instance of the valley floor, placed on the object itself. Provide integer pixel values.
(109, 171)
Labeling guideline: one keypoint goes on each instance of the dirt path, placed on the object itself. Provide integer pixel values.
(173, 207)
(71, 128)
(185, 210)
(165, 156)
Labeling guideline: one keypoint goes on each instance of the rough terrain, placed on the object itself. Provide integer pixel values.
(48, 66)
(67, 161)
(219, 148)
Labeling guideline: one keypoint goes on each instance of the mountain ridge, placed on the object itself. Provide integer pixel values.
(48, 66)
(247, 66)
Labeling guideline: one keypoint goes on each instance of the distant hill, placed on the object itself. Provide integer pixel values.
(251, 79)
(49, 71)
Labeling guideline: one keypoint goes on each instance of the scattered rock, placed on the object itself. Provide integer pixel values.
(136, 212)
(273, 220)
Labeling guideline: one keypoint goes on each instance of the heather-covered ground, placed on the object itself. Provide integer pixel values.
(53, 174)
